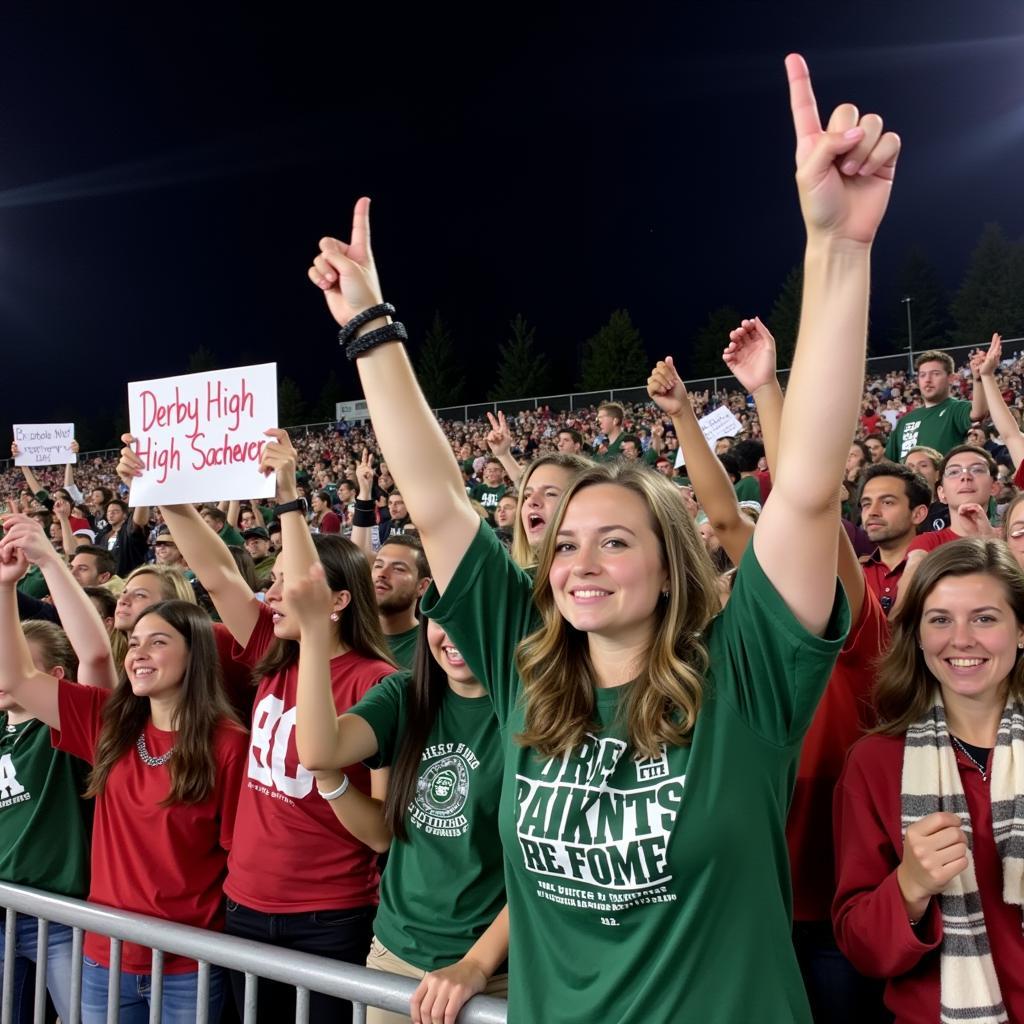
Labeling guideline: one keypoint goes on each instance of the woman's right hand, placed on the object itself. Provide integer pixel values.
(13, 565)
(934, 853)
(499, 440)
(364, 476)
(346, 272)
(25, 534)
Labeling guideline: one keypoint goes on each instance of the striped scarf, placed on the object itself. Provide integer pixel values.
(969, 989)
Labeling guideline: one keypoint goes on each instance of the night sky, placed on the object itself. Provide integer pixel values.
(163, 182)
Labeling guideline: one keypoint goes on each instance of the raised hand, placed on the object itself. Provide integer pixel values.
(666, 388)
(61, 509)
(13, 565)
(15, 450)
(845, 172)
(934, 853)
(975, 520)
(364, 475)
(25, 534)
(345, 271)
(750, 354)
(988, 362)
(307, 596)
(279, 457)
(499, 440)
(129, 465)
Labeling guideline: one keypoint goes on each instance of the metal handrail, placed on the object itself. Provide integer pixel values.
(360, 985)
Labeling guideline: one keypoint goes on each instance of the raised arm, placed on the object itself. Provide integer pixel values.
(1001, 415)
(327, 742)
(62, 511)
(33, 690)
(844, 179)
(206, 554)
(410, 439)
(980, 403)
(708, 475)
(365, 516)
(31, 480)
(78, 614)
(231, 515)
(499, 440)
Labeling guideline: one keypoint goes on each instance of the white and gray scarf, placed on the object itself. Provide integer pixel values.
(931, 782)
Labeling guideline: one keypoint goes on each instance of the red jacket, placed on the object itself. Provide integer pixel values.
(870, 920)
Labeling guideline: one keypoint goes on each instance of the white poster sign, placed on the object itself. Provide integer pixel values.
(200, 436)
(44, 444)
(719, 423)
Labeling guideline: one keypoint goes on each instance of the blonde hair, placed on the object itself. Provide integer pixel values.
(173, 587)
(554, 661)
(53, 645)
(523, 552)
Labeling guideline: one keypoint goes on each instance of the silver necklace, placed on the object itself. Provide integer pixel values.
(970, 757)
(146, 757)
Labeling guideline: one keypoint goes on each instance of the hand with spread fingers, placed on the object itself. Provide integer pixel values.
(345, 271)
(844, 171)
(498, 438)
(364, 475)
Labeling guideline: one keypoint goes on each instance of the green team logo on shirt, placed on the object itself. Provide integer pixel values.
(443, 789)
(607, 845)
(11, 790)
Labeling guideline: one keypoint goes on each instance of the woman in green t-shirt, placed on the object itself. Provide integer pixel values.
(651, 747)
(442, 915)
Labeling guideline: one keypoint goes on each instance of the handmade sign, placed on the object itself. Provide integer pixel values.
(44, 444)
(201, 436)
(719, 423)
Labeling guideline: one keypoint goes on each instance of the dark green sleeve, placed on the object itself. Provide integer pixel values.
(764, 663)
(486, 610)
(383, 708)
(892, 443)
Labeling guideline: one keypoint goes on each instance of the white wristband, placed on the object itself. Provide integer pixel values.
(334, 793)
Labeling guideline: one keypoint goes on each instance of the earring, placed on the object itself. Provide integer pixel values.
(665, 592)
(334, 616)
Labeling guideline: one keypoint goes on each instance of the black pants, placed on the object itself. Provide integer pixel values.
(338, 934)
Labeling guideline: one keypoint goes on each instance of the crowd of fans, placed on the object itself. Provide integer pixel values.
(565, 706)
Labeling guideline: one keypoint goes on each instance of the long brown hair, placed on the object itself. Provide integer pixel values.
(554, 661)
(523, 552)
(201, 707)
(905, 687)
(346, 568)
(425, 693)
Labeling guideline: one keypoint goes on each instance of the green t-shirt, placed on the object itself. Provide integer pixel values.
(941, 427)
(44, 823)
(654, 890)
(748, 489)
(403, 647)
(488, 496)
(33, 583)
(442, 889)
(614, 450)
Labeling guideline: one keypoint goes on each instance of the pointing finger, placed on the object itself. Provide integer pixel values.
(361, 225)
(806, 122)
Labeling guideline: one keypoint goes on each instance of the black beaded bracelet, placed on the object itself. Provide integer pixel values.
(348, 332)
(390, 332)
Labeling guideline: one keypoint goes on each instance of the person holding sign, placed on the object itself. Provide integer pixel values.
(167, 758)
(296, 876)
(651, 746)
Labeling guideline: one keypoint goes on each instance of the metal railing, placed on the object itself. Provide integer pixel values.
(305, 972)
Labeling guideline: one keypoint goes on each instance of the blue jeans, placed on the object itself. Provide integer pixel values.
(178, 1005)
(58, 966)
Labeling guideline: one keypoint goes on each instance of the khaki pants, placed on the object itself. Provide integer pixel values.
(382, 959)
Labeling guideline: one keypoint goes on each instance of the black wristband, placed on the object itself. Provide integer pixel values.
(391, 332)
(348, 332)
(298, 505)
(366, 505)
(364, 516)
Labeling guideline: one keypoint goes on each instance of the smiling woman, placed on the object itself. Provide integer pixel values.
(929, 811)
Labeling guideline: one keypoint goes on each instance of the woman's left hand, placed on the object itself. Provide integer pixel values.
(279, 457)
(442, 994)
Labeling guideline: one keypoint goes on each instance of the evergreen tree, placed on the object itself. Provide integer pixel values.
(437, 367)
(929, 307)
(523, 371)
(991, 297)
(615, 356)
(709, 342)
(202, 360)
(326, 403)
(784, 319)
(291, 409)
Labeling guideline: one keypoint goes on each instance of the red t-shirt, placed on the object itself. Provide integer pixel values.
(168, 861)
(882, 581)
(330, 523)
(843, 716)
(870, 919)
(764, 481)
(1018, 477)
(291, 854)
(933, 540)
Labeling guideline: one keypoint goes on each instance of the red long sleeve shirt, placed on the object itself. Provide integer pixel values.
(870, 919)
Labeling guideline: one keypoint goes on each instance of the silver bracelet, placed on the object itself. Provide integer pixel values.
(334, 793)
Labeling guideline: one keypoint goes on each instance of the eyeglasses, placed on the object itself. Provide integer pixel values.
(977, 469)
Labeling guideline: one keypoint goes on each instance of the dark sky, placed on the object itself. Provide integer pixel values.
(163, 181)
